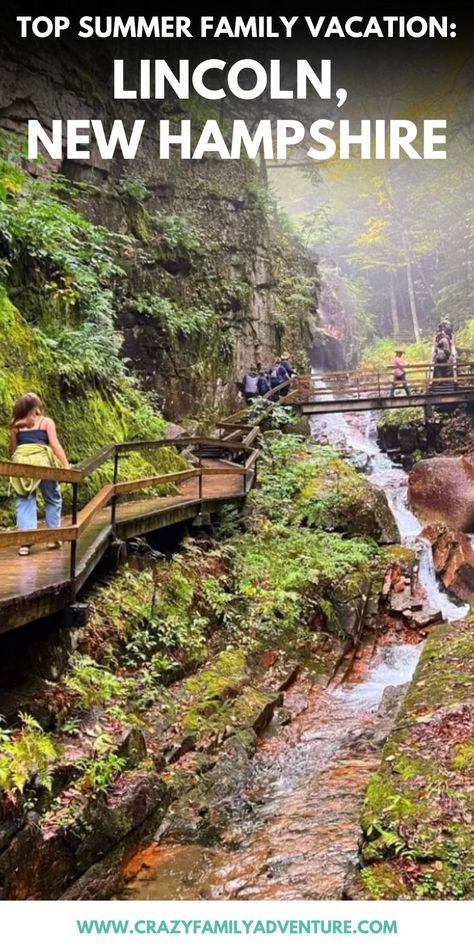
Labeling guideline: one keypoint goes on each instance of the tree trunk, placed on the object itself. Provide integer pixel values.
(263, 169)
(411, 290)
(393, 303)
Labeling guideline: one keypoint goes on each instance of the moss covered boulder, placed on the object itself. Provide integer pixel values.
(336, 497)
(417, 818)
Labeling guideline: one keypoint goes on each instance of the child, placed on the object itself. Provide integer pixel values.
(33, 440)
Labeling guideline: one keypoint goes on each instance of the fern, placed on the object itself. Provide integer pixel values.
(26, 754)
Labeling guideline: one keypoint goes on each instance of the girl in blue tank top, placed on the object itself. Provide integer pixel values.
(29, 426)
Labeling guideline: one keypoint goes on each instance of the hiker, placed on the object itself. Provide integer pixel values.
(290, 371)
(33, 440)
(250, 385)
(442, 355)
(399, 374)
(278, 375)
(446, 328)
(263, 383)
(288, 365)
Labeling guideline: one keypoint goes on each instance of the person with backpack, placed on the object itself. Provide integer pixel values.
(33, 440)
(442, 355)
(278, 375)
(288, 365)
(399, 374)
(249, 386)
(263, 383)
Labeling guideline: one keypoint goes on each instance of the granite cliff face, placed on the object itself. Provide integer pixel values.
(212, 278)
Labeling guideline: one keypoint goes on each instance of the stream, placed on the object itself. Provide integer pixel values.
(297, 836)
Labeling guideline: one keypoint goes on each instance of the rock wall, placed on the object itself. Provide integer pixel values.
(213, 282)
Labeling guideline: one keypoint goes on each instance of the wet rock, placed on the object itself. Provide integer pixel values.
(269, 658)
(12, 818)
(441, 490)
(418, 806)
(182, 746)
(453, 560)
(254, 708)
(105, 820)
(174, 431)
(405, 599)
(36, 865)
(349, 601)
(407, 439)
(132, 747)
(361, 462)
(338, 498)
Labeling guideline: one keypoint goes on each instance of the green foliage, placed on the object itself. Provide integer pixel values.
(93, 684)
(100, 772)
(26, 754)
(78, 260)
(167, 621)
(285, 468)
(381, 355)
(401, 416)
(465, 338)
(176, 321)
(134, 185)
(284, 575)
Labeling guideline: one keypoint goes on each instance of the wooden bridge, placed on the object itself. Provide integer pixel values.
(369, 390)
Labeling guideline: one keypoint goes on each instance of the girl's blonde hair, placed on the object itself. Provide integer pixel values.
(24, 406)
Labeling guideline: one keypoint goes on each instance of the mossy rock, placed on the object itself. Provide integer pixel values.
(336, 497)
(418, 807)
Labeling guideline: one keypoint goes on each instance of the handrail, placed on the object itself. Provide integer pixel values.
(100, 500)
(78, 473)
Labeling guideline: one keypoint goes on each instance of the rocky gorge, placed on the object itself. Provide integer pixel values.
(208, 684)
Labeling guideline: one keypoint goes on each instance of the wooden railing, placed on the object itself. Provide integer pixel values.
(243, 448)
(355, 384)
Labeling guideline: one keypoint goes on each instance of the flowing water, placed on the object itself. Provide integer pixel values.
(309, 777)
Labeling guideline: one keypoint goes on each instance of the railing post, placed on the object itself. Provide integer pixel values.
(113, 506)
(75, 487)
(200, 471)
(244, 479)
(378, 384)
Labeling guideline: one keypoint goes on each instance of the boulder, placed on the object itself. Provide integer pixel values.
(175, 431)
(441, 490)
(336, 497)
(12, 818)
(36, 865)
(453, 560)
(105, 820)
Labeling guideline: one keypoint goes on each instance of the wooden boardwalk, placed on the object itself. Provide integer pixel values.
(39, 585)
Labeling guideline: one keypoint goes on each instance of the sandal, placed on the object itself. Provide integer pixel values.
(24, 551)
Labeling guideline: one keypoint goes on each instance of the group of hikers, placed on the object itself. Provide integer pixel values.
(443, 357)
(258, 382)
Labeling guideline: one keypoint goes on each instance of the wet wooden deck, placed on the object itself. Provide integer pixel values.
(35, 586)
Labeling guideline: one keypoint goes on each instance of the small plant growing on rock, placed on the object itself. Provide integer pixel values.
(100, 772)
(93, 684)
(26, 754)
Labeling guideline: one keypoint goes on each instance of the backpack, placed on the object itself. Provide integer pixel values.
(251, 384)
